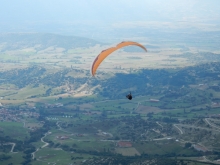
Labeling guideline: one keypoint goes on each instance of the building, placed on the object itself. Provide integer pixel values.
(154, 100)
(62, 137)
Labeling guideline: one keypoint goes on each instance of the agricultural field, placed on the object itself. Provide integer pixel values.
(74, 139)
(127, 151)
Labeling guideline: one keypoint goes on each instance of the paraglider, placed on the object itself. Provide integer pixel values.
(98, 60)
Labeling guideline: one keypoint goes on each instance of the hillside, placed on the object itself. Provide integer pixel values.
(186, 87)
(13, 41)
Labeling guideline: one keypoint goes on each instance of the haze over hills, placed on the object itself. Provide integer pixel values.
(12, 41)
(108, 20)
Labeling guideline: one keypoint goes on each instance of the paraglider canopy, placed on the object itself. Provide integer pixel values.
(98, 60)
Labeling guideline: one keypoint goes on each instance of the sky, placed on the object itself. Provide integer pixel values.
(89, 16)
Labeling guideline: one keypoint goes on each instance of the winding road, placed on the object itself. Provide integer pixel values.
(191, 126)
(45, 144)
(60, 128)
(212, 125)
(159, 124)
(13, 146)
(214, 128)
(136, 107)
(175, 125)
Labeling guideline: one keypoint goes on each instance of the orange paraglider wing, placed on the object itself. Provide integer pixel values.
(98, 60)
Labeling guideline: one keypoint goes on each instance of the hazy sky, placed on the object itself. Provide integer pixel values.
(106, 10)
(72, 15)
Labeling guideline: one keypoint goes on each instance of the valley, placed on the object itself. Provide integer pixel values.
(54, 112)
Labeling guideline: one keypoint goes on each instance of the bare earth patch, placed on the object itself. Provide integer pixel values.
(86, 107)
(147, 109)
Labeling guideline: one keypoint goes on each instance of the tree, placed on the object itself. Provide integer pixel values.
(187, 145)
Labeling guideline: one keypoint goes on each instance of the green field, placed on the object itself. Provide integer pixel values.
(61, 157)
(163, 147)
(16, 158)
(14, 130)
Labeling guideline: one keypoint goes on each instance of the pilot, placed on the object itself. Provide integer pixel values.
(129, 96)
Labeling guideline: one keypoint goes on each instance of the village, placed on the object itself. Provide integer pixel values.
(16, 116)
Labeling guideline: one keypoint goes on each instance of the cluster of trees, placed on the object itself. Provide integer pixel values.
(36, 75)
(127, 127)
(169, 120)
(145, 82)
(134, 160)
(22, 77)
(4, 157)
